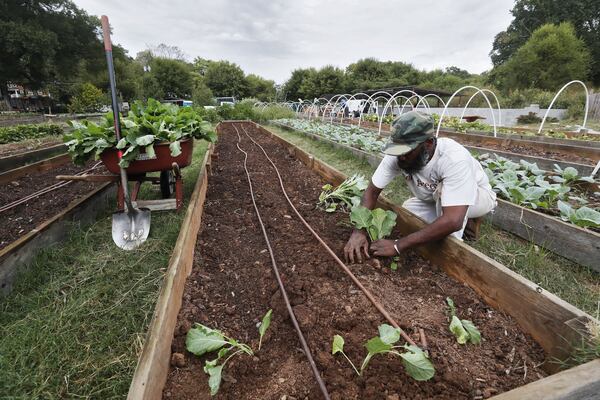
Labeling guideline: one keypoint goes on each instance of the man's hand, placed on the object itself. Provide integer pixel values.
(383, 248)
(357, 245)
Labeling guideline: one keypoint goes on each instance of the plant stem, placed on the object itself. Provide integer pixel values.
(351, 363)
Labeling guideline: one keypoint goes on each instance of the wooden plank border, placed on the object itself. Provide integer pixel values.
(21, 159)
(15, 256)
(44, 165)
(153, 364)
(567, 240)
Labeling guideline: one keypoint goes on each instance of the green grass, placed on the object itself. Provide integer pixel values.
(573, 283)
(75, 323)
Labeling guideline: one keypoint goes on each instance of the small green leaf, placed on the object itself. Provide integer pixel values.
(451, 305)
(388, 334)
(394, 266)
(458, 330)
(202, 339)
(214, 380)
(264, 325)
(150, 151)
(122, 143)
(338, 344)
(376, 345)
(361, 217)
(144, 140)
(266, 322)
(417, 365)
(175, 148)
(474, 334)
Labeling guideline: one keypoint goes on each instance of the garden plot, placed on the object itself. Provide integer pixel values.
(540, 200)
(24, 206)
(231, 288)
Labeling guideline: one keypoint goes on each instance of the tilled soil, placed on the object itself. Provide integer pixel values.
(21, 219)
(231, 287)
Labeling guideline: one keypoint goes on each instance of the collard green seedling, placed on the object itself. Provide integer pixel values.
(378, 223)
(415, 361)
(464, 330)
(585, 217)
(201, 340)
(346, 195)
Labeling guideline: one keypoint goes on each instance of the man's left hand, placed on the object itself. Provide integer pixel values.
(383, 248)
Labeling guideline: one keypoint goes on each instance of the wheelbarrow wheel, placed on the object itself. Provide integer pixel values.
(167, 183)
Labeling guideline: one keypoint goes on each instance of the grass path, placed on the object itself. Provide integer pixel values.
(76, 320)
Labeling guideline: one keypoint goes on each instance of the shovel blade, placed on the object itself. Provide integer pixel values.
(130, 228)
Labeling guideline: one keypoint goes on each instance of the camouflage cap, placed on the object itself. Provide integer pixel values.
(408, 131)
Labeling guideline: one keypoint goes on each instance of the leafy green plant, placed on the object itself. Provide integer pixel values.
(584, 217)
(464, 330)
(202, 339)
(415, 361)
(530, 118)
(347, 194)
(378, 223)
(141, 129)
(18, 133)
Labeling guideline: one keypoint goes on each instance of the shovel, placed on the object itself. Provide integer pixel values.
(130, 227)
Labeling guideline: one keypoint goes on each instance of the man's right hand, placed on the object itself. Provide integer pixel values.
(357, 246)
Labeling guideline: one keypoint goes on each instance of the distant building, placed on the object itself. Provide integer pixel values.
(225, 100)
(22, 98)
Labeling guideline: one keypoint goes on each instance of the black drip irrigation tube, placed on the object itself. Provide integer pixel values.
(344, 267)
(307, 352)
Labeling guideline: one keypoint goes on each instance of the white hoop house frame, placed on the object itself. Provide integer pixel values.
(587, 103)
(437, 132)
(474, 95)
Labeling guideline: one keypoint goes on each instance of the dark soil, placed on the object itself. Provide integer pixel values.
(11, 149)
(21, 219)
(231, 287)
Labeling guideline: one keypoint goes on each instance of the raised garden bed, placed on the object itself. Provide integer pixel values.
(565, 239)
(231, 289)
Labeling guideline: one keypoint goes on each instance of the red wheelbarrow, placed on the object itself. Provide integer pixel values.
(170, 179)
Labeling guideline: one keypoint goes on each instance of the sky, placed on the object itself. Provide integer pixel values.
(271, 38)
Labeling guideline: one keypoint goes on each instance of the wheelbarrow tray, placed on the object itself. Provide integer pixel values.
(142, 164)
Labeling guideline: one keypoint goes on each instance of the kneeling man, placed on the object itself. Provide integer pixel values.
(451, 191)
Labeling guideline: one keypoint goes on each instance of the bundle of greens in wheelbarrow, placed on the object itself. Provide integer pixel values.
(144, 126)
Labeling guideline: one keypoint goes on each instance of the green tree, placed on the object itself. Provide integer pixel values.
(552, 56)
(88, 98)
(202, 95)
(529, 15)
(39, 39)
(326, 80)
(226, 79)
(260, 88)
(291, 88)
(167, 79)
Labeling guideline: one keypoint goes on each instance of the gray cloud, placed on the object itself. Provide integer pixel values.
(271, 38)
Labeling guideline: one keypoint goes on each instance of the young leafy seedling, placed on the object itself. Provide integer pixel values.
(346, 195)
(378, 223)
(464, 330)
(201, 340)
(415, 361)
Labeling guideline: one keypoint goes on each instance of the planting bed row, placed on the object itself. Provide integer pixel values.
(564, 238)
(524, 145)
(20, 220)
(231, 286)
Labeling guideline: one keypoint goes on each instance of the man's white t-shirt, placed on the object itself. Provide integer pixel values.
(452, 165)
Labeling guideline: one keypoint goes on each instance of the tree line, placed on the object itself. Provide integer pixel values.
(52, 44)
